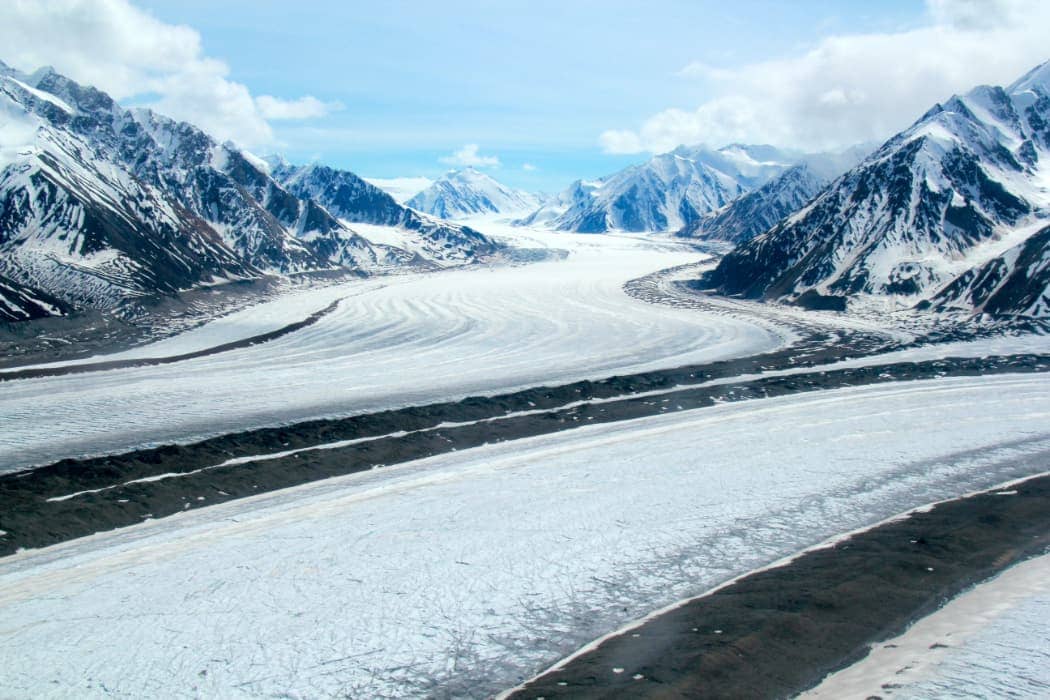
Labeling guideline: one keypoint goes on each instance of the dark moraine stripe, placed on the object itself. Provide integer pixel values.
(777, 632)
(121, 490)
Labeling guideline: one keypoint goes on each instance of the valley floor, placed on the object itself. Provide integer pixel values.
(466, 572)
(391, 342)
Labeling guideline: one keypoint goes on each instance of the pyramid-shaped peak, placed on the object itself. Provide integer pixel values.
(1035, 80)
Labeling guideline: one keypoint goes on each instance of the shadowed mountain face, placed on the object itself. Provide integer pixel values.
(679, 190)
(960, 188)
(1016, 283)
(354, 201)
(758, 210)
(101, 204)
(21, 303)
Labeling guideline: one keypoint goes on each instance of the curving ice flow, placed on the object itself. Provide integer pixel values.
(391, 342)
(460, 575)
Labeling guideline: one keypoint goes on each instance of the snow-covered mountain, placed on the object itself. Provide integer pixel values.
(758, 210)
(966, 185)
(101, 204)
(401, 189)
(18, 302)
(577, 196)
(755, 212)
(77, 224)
(669, 192)
(469, 192)
(354, 201)
(1016, 283)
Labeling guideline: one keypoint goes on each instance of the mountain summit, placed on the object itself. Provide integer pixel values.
(470, 192)
(944, 211)
(674, 191)
(100, 205)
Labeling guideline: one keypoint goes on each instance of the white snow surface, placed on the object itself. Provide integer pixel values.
(401, 189)
(393, 342)
(17, 131)
(465, 573)
(469, 192)
(991, 641)
(406, 240)
(41, 95)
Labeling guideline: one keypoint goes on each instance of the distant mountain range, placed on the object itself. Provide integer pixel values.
(758, 210)
(100, 205)
(469, 192)
(951, 213)
(677, 190)
(355, 202)
(401, 189)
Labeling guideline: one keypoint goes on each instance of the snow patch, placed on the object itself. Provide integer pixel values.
(401, 189)
(41, 95)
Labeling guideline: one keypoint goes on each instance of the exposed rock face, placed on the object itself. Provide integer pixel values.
(941, 207)
(101, 204)
(677, 190)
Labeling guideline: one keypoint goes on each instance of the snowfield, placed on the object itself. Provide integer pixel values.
(391, 342)
(401, 188)
(464, 573)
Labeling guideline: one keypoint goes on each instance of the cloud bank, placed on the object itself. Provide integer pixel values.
(853, 88)
(468, 156)
(129, 53)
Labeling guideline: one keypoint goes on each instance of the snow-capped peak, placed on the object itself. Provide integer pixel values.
(944, 211)
(41, 95)
(274, 160)
(401, 189)
(103, 205)
(673, 189)
(1037, 79)
(470, 192)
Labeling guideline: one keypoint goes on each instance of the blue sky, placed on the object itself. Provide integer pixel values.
(529, 82)
(572, 88)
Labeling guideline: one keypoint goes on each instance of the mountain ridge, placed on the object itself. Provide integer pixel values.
(934, 202)
(469, 192)
(100, 205)
(674, 191)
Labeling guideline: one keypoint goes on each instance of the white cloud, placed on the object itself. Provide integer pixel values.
(529, 167)
(468, 156)
(621, 141)
(304, 108)
(699, 69)
(853, 88)
(976, 14)
(127, 52)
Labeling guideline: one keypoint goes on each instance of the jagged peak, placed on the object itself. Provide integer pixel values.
(1037, 79)
(40, 74)
(84, 98)
(275, 160)
(31, 79)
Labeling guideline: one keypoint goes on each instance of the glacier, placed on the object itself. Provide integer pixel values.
(391, 342)
(465, 573)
